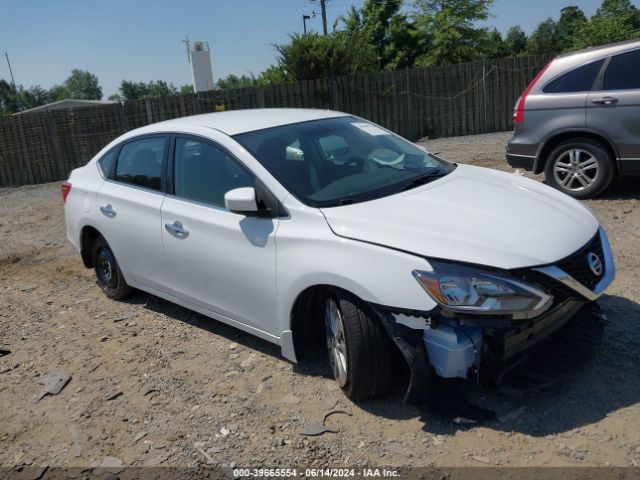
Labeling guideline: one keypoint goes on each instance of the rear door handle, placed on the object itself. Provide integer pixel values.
(605, 100)
(177, 229)
(108, 210)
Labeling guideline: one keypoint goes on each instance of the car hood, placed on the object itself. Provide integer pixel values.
(474, 215)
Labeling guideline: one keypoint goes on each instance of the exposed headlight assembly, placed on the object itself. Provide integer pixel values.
(463, 289)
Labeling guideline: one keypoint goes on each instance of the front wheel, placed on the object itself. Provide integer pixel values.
(108, 272)
(358, 347)
(581, 168)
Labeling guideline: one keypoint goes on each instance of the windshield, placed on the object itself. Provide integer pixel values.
(338, 161)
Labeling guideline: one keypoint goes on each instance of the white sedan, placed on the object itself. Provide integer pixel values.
(359, 241)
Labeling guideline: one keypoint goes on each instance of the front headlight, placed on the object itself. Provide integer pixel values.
(464, 289)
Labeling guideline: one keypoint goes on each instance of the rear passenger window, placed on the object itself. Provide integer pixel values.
(140, 162)
(623, 72)
(205, 173)
(106, 162)
(578, 80)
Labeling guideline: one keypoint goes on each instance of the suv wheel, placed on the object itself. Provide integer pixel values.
(108, 272)
(581, 168)
(358, 347)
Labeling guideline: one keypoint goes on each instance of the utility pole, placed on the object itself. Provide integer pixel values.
(13, 83)
(323, 7)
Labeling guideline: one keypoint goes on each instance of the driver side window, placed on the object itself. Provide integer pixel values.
(204, 173)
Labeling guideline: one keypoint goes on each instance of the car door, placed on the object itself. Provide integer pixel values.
(218, 260)
(614, 107)
(128, 210)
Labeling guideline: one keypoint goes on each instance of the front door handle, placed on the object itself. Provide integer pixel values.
(605, 100)
(177, 229)
(108, 210)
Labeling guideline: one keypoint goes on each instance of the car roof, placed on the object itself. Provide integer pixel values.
(233, 122)
(571, 60)
(605, 50)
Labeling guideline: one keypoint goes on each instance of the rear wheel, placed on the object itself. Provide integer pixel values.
(581, 168)
(108, 272)
(358, 347)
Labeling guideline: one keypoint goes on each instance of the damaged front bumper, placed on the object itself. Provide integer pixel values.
(441, 346)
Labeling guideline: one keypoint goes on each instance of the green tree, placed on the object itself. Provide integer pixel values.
(572, 21)
(387, 30)
(35, 96)
(312, 56)
(9, 98)
(619, 9)
(402, 47)
(494, 45)
(133, 90)
(80, 85)
(516, 41)
(614, 21)
(543, 40)
(186, 89)
(161, 88)
(234, 81)
(136, 90)
(58, 92)
(15, 99)
(274, 75)
(447, 30)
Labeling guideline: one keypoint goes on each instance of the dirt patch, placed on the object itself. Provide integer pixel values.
(155, 384)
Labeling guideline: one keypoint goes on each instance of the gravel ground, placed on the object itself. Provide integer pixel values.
(155, 384)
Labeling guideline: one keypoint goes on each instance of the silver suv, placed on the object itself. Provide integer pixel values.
(578, 121)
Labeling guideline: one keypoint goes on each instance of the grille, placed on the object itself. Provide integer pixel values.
(577, 265)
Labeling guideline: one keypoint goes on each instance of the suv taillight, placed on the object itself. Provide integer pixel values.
(65, 188)
(518, 113)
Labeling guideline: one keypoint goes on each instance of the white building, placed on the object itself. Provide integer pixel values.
(201, 72)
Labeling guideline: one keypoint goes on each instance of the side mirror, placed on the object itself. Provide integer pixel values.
(241, 200)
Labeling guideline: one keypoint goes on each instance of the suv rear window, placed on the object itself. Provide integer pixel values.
(578, 80)
(623, 72)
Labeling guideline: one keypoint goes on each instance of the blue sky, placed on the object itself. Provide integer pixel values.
(140, 40)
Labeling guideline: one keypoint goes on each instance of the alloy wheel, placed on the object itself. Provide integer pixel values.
(575, 170)
(336, 341)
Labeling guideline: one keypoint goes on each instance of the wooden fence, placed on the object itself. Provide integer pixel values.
(446, 101)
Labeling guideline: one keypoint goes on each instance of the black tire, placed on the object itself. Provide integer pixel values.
(601, 180)
(368, 348)
(108, 272)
